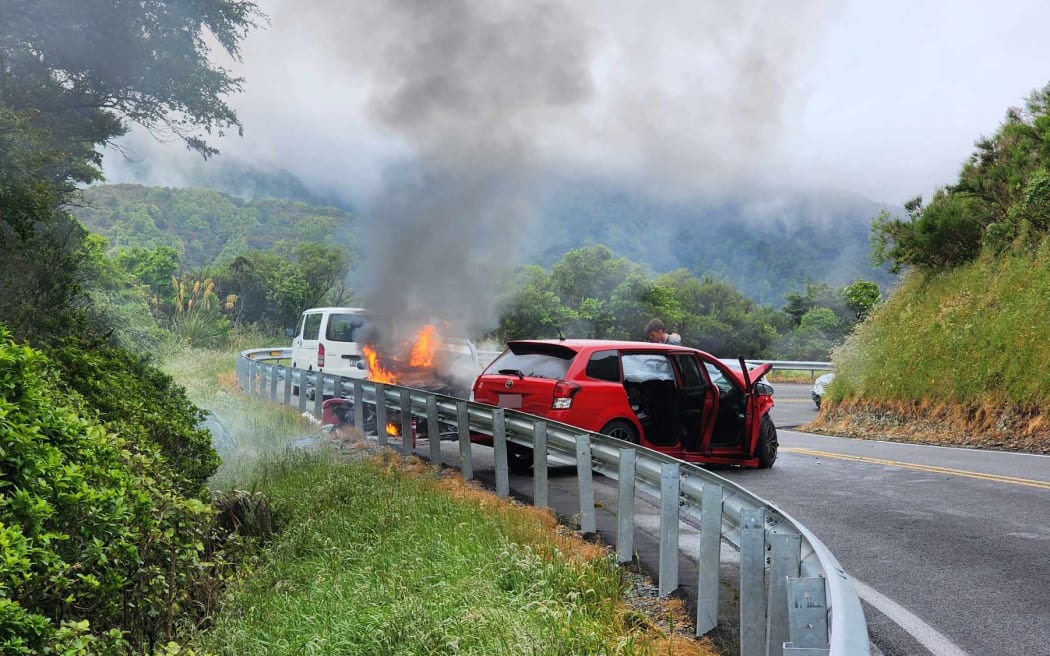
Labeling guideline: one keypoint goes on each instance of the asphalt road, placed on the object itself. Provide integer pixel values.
(950, 547)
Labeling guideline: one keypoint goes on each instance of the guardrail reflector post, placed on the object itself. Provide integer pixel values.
(319, 393)
(670, 493)
(381, 414)
(807, 617)
(540, 492)
(710, 559)
(466, 460)
(499, 447)
(588, 521)
(287, 375)
(359, 406)
(625, 506)
(273, 383)
(752, 582)
(407, 435)
(433, 430)
(787, 554)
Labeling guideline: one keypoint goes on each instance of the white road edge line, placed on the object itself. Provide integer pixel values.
(930, 638)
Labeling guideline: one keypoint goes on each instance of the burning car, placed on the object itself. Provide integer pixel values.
(428, 362)
(677, 400)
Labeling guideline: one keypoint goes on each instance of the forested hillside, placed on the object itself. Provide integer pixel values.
(962, 347)
(207, 227)
(767, 245)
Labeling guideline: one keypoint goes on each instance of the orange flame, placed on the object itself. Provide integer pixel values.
(421, 354)
(423, 349)
(392, 430)
(376, 372)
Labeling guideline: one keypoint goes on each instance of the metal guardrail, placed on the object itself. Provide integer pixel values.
(795, 598)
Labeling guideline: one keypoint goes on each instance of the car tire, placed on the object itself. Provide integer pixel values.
(519, 458)
(621, 429)
(768, 444)
(816, 402)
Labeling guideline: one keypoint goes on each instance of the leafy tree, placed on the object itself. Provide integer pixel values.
(861, 296)
(530, 307)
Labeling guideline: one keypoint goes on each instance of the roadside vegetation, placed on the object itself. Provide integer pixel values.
(960, 352)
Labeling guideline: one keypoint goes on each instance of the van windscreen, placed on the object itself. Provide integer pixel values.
(347, 328)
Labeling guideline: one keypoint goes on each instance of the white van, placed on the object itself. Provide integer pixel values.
(329, 340)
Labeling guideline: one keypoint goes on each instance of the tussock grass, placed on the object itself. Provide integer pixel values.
(968, 350)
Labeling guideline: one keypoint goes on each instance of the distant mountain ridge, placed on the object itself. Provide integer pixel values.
(766, 245)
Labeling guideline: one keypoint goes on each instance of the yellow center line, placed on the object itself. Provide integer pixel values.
(1042, 485)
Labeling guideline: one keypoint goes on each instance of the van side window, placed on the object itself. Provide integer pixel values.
(345, 328)
(312, 326)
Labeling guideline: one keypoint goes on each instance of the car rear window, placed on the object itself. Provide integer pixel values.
(346, 327)
(534, 361)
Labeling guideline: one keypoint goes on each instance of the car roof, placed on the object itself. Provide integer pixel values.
(349, 310)
(600, 344)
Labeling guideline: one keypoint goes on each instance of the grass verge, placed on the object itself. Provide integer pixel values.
(384, 556)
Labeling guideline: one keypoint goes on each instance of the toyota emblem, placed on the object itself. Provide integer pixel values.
(509, 384)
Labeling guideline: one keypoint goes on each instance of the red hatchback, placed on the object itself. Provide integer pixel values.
(677, 400)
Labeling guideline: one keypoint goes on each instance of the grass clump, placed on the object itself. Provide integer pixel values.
(374, 559)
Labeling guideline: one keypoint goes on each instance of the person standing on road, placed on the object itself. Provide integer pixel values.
(657, 332)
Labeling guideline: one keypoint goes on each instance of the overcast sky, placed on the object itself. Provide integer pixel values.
(881, 98)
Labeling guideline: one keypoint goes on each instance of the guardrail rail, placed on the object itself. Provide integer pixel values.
(795, 598)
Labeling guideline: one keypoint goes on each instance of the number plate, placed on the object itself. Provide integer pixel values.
(512, 401)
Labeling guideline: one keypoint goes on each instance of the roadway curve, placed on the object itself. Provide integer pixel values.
(951, 547)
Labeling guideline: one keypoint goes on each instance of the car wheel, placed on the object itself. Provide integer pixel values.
(816, 402)
(519, 458)
(621, 429)
(766, 450)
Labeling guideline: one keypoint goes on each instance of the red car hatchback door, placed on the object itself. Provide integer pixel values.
(528, 376)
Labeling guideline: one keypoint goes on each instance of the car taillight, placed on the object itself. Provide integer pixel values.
(320, 356)
(563, 393)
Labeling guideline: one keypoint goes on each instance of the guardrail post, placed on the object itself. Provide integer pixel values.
(710, 559)
(433, 430)
(319, 393)
(251, 378)
(540, 490)
(273, 383)
(499, 447)
(588, 521)
(670, 493)
(407, 434)
(787, 554)
(241, 364)
(302, 390)
(359, 406)
(381, 414)
(752, 582)
(625, 505)
(807, 617)
(286, 373)
(466, 460)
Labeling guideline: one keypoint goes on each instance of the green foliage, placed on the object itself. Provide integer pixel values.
(861, 296)
(972, 335)
(100, 550)
(1001, 201)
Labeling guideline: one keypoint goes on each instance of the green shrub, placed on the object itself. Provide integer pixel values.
(100, 549)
